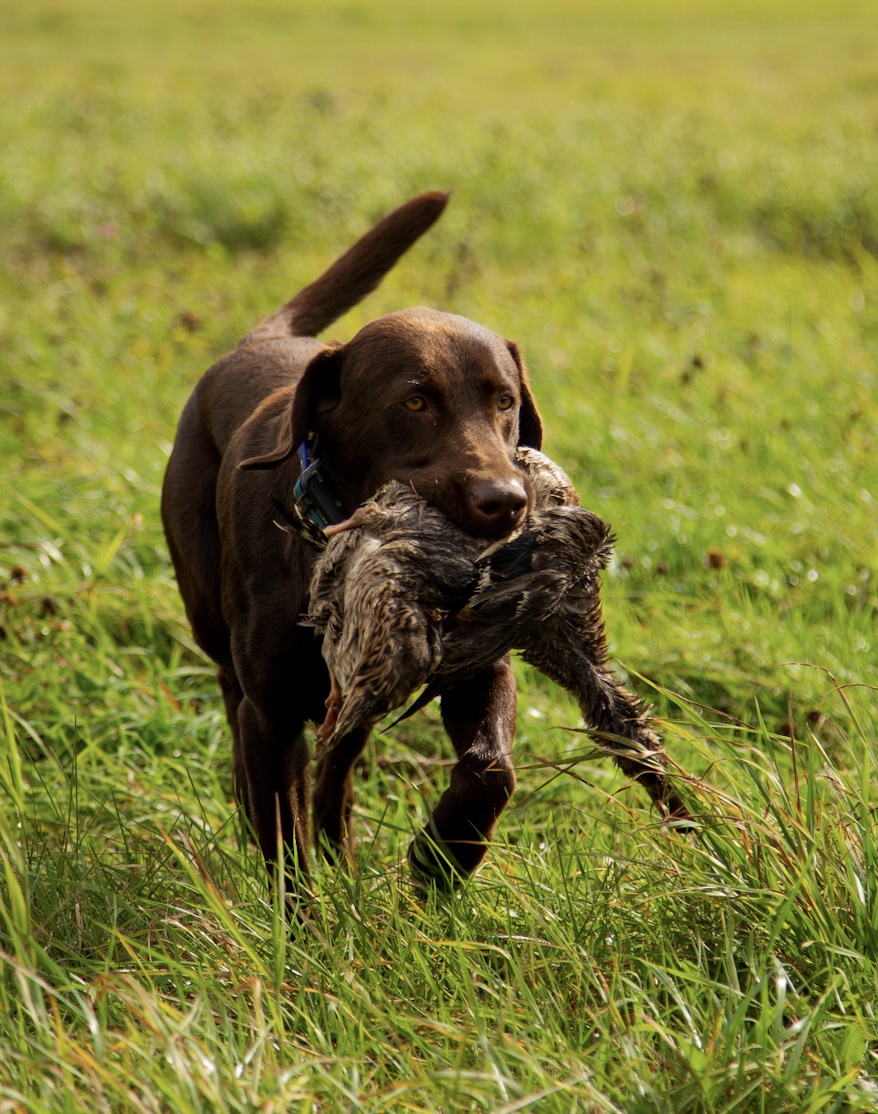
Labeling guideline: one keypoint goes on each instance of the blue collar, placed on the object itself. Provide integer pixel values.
(316, 500)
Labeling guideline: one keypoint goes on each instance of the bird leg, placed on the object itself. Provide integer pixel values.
(325, 730)
(357, 519)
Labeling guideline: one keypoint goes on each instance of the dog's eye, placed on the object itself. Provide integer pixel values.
(505, 401)
(416, 403)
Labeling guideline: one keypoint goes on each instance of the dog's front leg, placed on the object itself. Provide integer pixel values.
(334, 794)
(479, 716)
(276, 763)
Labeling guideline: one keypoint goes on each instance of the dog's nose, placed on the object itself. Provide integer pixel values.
(498, 506)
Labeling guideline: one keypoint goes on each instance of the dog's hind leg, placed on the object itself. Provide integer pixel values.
(230, 687)
(276, 764)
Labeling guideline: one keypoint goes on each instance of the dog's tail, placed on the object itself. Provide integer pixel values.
(355, 274)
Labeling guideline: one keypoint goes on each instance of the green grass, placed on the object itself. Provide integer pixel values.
(673, 208)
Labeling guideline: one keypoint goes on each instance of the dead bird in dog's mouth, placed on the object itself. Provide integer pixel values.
(405, 599)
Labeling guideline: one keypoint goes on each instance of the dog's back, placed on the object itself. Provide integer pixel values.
(269, 359)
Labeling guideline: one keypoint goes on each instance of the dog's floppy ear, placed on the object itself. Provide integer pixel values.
(318, 389)
(530, 427)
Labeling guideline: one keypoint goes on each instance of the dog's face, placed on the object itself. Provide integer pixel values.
(425, 398)
(429, 399)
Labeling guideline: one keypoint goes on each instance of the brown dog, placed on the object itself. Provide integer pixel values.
(419, 396)
(425, 398)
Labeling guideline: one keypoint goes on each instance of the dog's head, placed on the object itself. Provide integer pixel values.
(425, 398)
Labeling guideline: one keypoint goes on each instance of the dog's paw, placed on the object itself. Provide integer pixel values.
(432, 864)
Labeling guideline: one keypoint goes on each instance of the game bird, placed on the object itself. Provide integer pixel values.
(404, 598)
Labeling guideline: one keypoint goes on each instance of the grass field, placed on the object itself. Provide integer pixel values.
(673, 209)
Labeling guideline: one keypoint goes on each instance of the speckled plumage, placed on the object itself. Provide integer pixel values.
(379, 593)
(404, 598)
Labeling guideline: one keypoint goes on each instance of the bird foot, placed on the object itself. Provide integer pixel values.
(357, 519)
(326, 730)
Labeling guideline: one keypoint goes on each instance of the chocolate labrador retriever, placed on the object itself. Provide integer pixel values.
(422, 397)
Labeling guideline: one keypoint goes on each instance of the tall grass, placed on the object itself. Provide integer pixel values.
(673, 210)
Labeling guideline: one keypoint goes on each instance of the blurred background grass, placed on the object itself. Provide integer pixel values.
(675, 213)
(673, 209)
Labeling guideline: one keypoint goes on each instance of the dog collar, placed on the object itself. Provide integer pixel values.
(316, 503)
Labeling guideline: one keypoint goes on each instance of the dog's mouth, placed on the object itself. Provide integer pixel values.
(489, 508)
(484, 505)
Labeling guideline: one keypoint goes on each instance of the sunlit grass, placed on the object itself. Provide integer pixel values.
(674, 212)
